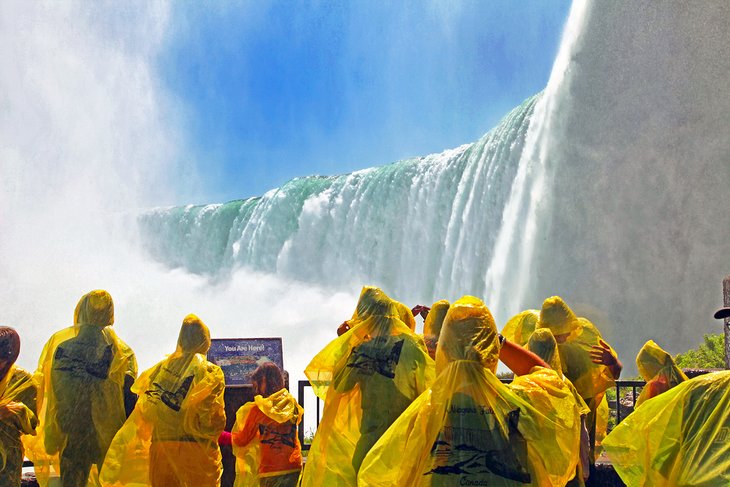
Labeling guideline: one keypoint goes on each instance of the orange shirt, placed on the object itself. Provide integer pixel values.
(280, 448)
(657, 386)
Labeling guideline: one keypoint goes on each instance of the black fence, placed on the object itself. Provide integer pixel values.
(620, 405)
(300, 397)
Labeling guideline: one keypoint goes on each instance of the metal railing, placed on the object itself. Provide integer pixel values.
(300, 397)
(622, 404)
(619, 408)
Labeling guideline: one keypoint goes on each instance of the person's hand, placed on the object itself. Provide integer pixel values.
(420, 309)
(603, 355)
(225, 439)
(9, 410)
(343, 328)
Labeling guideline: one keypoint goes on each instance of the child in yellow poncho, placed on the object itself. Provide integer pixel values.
(265, 440)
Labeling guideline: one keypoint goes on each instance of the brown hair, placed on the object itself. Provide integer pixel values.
(270, 373)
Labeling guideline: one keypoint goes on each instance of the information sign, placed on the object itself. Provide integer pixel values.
(239, 357)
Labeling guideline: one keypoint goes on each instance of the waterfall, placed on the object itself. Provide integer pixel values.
(606, 189)
(421, 228)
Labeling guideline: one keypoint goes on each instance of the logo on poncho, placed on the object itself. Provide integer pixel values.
(376, 356)
(79, 365)
(478, 452)
(171, 399)
(276, 439)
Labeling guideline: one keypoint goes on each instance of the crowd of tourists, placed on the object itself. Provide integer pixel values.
(400, 408)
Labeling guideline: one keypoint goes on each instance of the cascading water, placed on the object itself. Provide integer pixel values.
(421, 227)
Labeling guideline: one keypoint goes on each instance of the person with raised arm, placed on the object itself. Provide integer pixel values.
(469, 428)
(367, 377)
(588, 361)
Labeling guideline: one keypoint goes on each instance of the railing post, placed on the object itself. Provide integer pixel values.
(301, 385)
(317, 411)
(726, 325)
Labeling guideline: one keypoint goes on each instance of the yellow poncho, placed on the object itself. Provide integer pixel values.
(519, 328)
(432, 325)
(469, 428)
(18, 399)
(171, 438)
(543, 344)
(679, 438)
(603, 412)
(590, 379)
(367, 378)
(272, 451)
(81, 376)
(658, 369)
(405, 315)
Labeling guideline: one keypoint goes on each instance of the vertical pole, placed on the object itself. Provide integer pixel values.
(317, 397)
(300, 393)
(726, 327)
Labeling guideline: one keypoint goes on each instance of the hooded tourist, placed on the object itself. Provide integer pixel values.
(82, 373)
(469, 428)
(17, 408)
(587, 360)
(367, 377)
(659, 371)
(679, 438)
(432, 325)
(519, 328)
(171, 438)
(44, 448)
(406, 315)
(542, 343)
(264, 437)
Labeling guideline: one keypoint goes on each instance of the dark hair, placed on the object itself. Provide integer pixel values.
(9, 344)
(272, 375)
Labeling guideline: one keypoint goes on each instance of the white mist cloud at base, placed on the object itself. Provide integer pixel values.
(87, 138)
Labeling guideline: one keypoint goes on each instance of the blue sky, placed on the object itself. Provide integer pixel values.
(271, 90)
